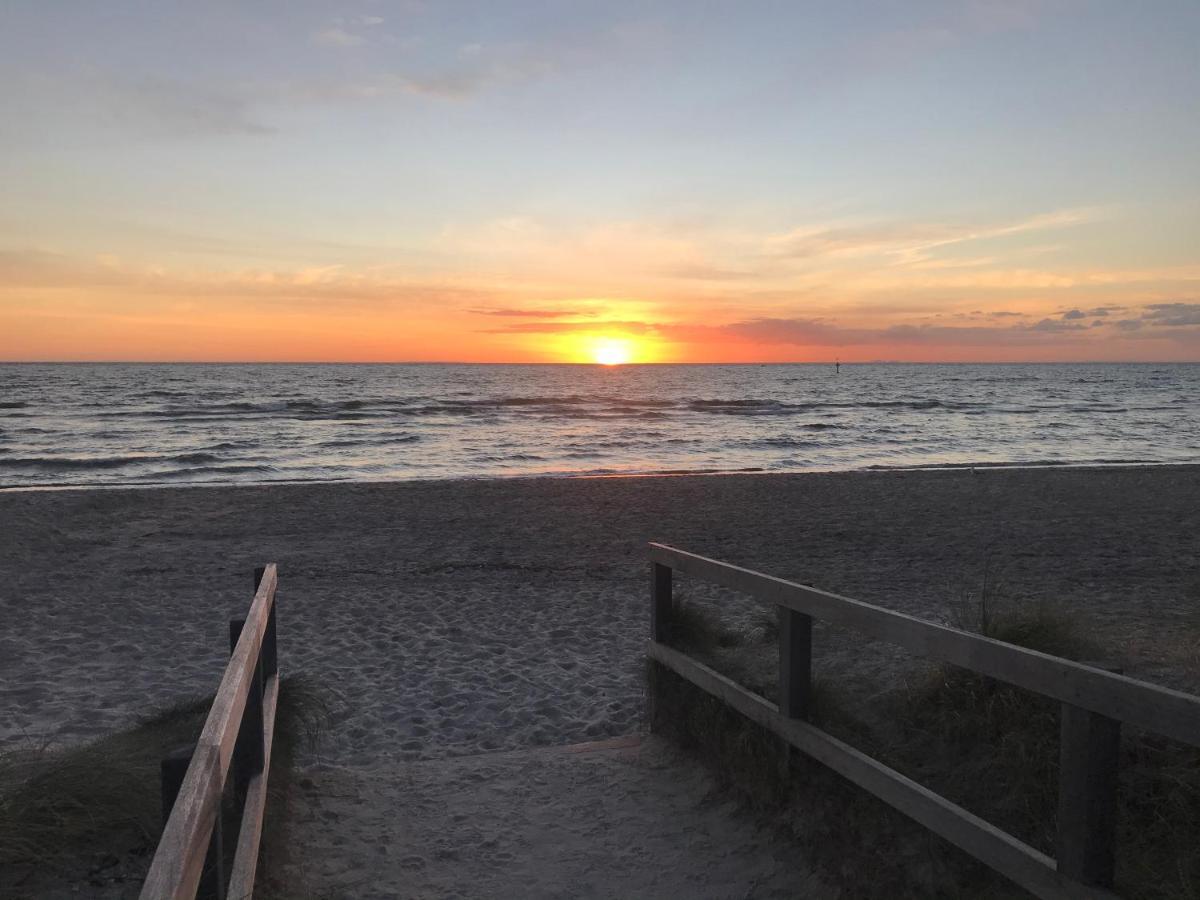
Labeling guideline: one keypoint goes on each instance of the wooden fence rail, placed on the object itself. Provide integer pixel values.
(1095, 702)
(235, 741)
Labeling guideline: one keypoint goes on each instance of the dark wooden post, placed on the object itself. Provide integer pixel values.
(660, 601)
(795, 675)
(172, 770)
(248, 755)
(795, 663)
(270, 653)
(1090, 746)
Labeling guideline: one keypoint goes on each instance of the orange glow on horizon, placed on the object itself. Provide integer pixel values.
(607, 351)
(64, 309)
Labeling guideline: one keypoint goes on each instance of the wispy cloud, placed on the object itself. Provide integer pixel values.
(111, 281)
(454, 77)
(1056, 326)
(346, 32)
(533, 313)
(599, 326)
(835, 260)
(1172, 314)
(910, 242)
(813, 332)
(802, 332)
(469, 67)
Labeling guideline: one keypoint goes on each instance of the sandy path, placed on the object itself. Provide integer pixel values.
(589, 821)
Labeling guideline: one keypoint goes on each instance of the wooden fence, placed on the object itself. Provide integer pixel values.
(236, 740)
(1094, 704)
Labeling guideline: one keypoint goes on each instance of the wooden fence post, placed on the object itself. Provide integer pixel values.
(795, 663)
(1090, 746)
(795, 675)
(660, 601)
(172, 770)
(270, 652)
(248, 755)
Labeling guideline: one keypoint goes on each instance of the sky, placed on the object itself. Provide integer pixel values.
(573, 181)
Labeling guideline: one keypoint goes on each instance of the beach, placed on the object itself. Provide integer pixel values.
(465, 616)
(448, 620)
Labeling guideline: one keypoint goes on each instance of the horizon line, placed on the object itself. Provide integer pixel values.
(452, 362)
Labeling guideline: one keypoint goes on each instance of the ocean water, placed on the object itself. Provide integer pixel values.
(119, 424)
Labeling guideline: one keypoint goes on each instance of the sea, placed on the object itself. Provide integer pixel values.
(173, 424)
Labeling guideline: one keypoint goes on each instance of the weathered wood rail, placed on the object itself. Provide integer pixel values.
(235, 741)
(1095, 702)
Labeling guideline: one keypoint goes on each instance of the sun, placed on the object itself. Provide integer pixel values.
(612, 351)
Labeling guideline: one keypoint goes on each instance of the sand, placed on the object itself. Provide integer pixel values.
(617, 819)
(462, 620)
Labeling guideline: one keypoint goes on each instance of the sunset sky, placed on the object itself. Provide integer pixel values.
(532, 181)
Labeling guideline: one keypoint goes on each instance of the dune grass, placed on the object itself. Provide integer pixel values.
(91, 814)
(992, 748)
(100, 799)
(692, 625)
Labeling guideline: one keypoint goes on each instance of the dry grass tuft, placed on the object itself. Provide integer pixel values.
(696, 628)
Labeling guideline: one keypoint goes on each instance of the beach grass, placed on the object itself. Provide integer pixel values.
(989, 747)
(89, 815)
(693, 625)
